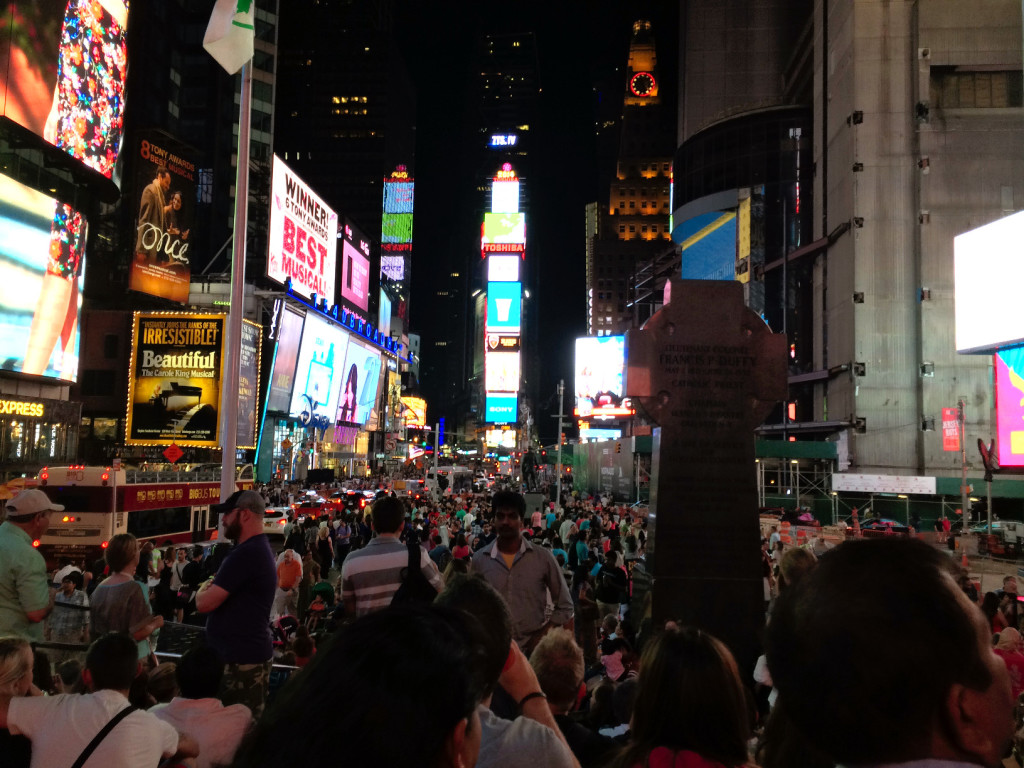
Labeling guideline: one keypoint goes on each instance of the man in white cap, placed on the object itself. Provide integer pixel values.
(25, 595)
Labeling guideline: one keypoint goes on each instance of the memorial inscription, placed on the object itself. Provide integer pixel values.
(707, 370)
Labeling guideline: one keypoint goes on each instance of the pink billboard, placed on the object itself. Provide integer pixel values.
(1010, 406)
(355, 276)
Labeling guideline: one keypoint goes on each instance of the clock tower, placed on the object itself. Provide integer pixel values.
(633, 230)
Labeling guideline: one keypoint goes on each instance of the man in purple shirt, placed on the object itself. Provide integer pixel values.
(238, 600)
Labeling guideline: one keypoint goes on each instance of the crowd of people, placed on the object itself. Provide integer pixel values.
(470, 631)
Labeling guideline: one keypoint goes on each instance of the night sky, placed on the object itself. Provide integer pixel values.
(580, 47)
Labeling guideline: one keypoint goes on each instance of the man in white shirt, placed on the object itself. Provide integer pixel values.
(218, 730)
(62, 727)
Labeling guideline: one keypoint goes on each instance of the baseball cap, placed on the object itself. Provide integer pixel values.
(31, 502)
(247, 499)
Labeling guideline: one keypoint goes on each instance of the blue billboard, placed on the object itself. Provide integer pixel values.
(504, 307)
(501, 408)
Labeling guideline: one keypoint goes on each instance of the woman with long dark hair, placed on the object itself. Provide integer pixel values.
(690, 709)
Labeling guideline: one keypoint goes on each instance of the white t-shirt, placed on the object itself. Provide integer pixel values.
(60, 727)
(217, 729)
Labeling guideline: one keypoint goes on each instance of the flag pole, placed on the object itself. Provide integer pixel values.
(229, 391)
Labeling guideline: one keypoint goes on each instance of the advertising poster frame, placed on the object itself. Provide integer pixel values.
(183, 353)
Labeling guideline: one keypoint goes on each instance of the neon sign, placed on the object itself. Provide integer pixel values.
(504, 140)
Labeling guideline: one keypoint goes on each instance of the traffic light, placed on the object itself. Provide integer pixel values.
(618, 447)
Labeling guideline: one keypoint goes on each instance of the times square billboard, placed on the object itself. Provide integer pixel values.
(600, 363)
(57, 92)
(303, 236)
(396, 224)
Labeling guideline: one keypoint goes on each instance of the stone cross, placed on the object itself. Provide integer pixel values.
(707, 370)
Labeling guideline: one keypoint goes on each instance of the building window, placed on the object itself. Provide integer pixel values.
(110, 345)
(632, 203)
(955, 89)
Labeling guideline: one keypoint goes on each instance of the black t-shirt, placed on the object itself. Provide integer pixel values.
(192, 575)
(611, 584)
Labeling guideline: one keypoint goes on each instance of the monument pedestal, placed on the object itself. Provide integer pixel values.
(707, 370)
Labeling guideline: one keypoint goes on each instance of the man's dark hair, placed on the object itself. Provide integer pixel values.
(197, 551)
(199, 672)
(371, 677)
(473, 595)
(113, 662)
(76, 577)
(509, 500)
(388, 515)
(870, 595)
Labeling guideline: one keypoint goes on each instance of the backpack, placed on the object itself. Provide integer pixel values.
(415, 587)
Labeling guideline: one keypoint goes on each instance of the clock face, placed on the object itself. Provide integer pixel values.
(642, 83)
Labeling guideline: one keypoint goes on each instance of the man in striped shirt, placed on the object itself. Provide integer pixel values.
(370, 576)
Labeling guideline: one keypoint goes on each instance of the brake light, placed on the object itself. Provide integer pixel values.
(282, 521)
(104, 545)
(44, 475)
(65, 519)
(35, 543)
(105, 476)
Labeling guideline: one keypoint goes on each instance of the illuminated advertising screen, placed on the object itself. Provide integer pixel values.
(500, 438)
(384, 314)
(355, 270)
(988, 272)
(398, 195)
(40, 290)
(165, 191)
(318, 373)
(174, 389)
(503, 268)
(600, 361)
(396, 228)
(495, 342)
(359, 383)
(504, 307)
(286, 356)
(500, 407)
(302, 240)
(504, 228)
(501, 372)
(415, 411)
(392, 265)
(1009, 408)
(248, 384)
(599, 433)
(505, 197)
(62, 75)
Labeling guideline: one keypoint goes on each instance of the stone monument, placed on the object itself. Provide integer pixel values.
(706, 370)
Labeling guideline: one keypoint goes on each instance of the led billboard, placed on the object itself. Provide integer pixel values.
(62, 75)
(503, 268)
(396, 228)
(176, 370)
(42, 262)
(302, 240)
(248, 384)
(355, 270)
(600, 361)
(318, 373)
(286, 356)
(398, 195)
(709, 246)
(505, 197)
(504, 307)
(598, 433)
(988, 272)
(165, 188)
(360, 383)
(392, 265)
(500, 438)
(504, 228)
(500, 407)
(384, 314)
(495, 342)
(501, 372)
(1010, 406)
(414, 409)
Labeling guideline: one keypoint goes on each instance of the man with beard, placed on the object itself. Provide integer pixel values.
(238, 600)
(524, 574)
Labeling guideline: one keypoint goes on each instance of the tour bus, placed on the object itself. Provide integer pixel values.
(100, 502)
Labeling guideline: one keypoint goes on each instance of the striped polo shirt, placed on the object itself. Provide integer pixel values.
(373, 574)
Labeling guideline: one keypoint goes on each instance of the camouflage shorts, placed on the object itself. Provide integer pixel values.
(246, 684)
